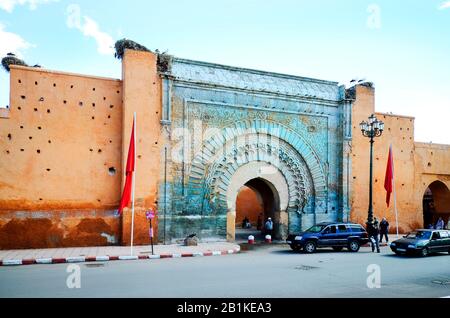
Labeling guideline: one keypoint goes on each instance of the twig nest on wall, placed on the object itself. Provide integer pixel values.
(11, 59)
(123, 44)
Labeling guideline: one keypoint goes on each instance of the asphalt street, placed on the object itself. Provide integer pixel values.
(265, 271)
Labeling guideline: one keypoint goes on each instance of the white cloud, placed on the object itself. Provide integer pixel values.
(8, 5)
(444, 5)
(89, 28)
(11, 42)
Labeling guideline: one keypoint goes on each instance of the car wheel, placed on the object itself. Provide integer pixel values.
(337, 248)
(310, 247)
(353, 246)
(424, 252)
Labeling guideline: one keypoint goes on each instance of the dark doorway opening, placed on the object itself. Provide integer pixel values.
(257, 201)
(436, 204)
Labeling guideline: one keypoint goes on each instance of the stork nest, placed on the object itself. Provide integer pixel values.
(11, 59)
(122, 45)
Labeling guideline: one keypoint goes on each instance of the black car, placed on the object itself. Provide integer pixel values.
(423, 242)
(335, 235)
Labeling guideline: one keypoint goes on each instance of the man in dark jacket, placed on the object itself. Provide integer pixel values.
(373, 231)
(384, 230)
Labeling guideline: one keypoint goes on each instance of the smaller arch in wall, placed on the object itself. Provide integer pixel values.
(436, 203)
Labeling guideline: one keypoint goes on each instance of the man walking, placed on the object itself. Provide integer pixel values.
(384, 230)
(440, 224)
(373, 231)
(269, 226)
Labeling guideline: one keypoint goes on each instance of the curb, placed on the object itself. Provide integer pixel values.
(106, 258)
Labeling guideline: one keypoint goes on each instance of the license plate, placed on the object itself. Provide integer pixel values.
(401, 250)
(289, 242)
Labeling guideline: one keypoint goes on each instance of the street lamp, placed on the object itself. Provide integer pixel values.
(371, 129)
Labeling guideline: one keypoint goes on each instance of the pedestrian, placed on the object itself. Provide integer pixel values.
(440, 224)
(246, 223)
(448, 224)
(430, 226)
(384, 230)
(259, 222)
(373, 231)
(268, 226)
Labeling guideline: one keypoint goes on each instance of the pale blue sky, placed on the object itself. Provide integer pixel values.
(402, 45)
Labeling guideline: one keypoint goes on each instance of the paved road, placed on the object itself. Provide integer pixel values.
(271, 271)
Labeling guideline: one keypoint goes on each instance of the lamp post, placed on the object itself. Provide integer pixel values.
(371, 129)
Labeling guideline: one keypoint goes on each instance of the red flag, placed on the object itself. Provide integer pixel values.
(126, 195)
(388, 180)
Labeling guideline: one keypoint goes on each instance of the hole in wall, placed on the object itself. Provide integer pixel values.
(80, 104)
(35, 83)
(429, 164)
(118, 92)
(156, 142)
(71, 86)
(139, 156)
(35, 109)
(104, 98)
(20, 82)
(109, 116)
(9, 136)
(22, 149)
(111, 106)
(48, 111)
(93, 89)
(7, 151)
(354, 178)
(93, 117)
(30, 137)
(19, 108)
(99, 151)
(54, 85)
(38, 151)
(40, 199)
(112, 171)
(65, 102)
(48, 169)
(21, 127)
(23, 96)
(49, 141)
(110, 141)
(91, 150)
(39, 127)
(41, 99)
(93, 104)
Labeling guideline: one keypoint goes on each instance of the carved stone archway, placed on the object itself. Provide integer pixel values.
(260, 141)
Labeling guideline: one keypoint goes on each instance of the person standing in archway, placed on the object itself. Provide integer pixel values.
(440, 224)
(268, 227)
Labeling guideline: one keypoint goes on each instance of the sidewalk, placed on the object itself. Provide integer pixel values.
(112, 253)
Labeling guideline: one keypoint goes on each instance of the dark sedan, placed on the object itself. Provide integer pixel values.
(423, 242)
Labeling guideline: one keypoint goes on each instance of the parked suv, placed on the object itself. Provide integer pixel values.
(335, 235)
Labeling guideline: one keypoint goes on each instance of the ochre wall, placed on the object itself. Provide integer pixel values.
(412, 174)
(63, 134)
(249, 205)
(142, 94)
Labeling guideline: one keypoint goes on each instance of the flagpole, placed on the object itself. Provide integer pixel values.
(133, 183)
(395, 193)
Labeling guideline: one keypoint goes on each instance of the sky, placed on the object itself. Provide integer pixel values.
(401, 46)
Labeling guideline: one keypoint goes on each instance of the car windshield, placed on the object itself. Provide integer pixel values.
(315, 229)
(424, 235)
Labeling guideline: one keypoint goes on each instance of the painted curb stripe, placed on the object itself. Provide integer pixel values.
(11, 262)
(43, 261)
(58, 260)
(28, 261)
(80, 259)
(128, 257)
